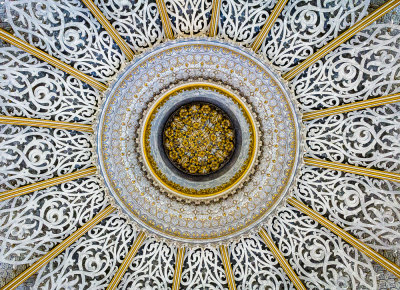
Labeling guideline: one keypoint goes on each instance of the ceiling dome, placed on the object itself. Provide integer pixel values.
(199, 144)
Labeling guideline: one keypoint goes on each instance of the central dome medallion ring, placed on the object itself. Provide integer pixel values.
(198, 141)
(213, 124)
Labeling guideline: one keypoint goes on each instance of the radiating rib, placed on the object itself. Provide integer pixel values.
(180, 255)
(385, 8)
(281, 259)
(216, 11)
(45, 123)
(353, 169)
(50, 59)
(395, 269)
(268, 25)
(127, 261)
(166, 22)
(110, 29)
(390, 99)
(228, 267)
(13, 284)
(46, 183)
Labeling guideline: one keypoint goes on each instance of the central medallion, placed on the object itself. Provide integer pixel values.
(199, 138)
(198, 141)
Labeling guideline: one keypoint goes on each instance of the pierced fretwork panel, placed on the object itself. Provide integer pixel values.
(365, 66)
(307, 25)
(242, 20)
(91, 262)
(189, 17)
(137, 21)
(30, 154)
(254, 266)
(66, 29)
(368, 138)
(320, 259)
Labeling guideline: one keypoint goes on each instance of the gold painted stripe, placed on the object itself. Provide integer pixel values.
(46, 183)
(268, 25)
(127, 261)
(166, 22)
(50, 59)
(110, 29)
(353, 169)
(180, 255)
(281, 259)
(216, 11)
(228, 268)
(13, 284)
(390, 99)
(350, 32)
(45, 123)
(395, 269)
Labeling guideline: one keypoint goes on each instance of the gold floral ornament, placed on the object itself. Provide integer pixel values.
(199, 138)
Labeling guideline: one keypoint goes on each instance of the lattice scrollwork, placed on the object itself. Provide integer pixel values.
(241, 20)
(29, 154)
(152, 267)
(33, 224)
(254, 267)
(138, 22)
(66, 30)
(34, 89)
(321, 259)
(304, 26)
(90, 262)
(368, 208)
(367, 138)
(203, 269)
(367, 65)
(189, 17)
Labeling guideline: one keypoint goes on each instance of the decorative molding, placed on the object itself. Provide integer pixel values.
(268, 25)
(281, 259)
(110, 29)
(228, 267)
(166, 22)
(216, 11)
(180, 255)
(360, 25)
(353, 169)
(45, 123)
(46, 183)
(50, 59)
(352, 107)
(127, 261)
(395, 269)
(13, 284)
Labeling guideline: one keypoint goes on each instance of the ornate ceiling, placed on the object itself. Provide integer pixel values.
(199, 144)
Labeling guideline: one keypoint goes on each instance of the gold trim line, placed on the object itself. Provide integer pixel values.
(281, 260)
(21, 121)
(216, 11)
(166, 22)
(228, 268)
(268, 25)
(110, 29)
(350, 32)
(127, 261)
(50, 59)
(46, 183)
(13, 284)
(395, 269)
(353, 169)
(390, 99)
(180, 255)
